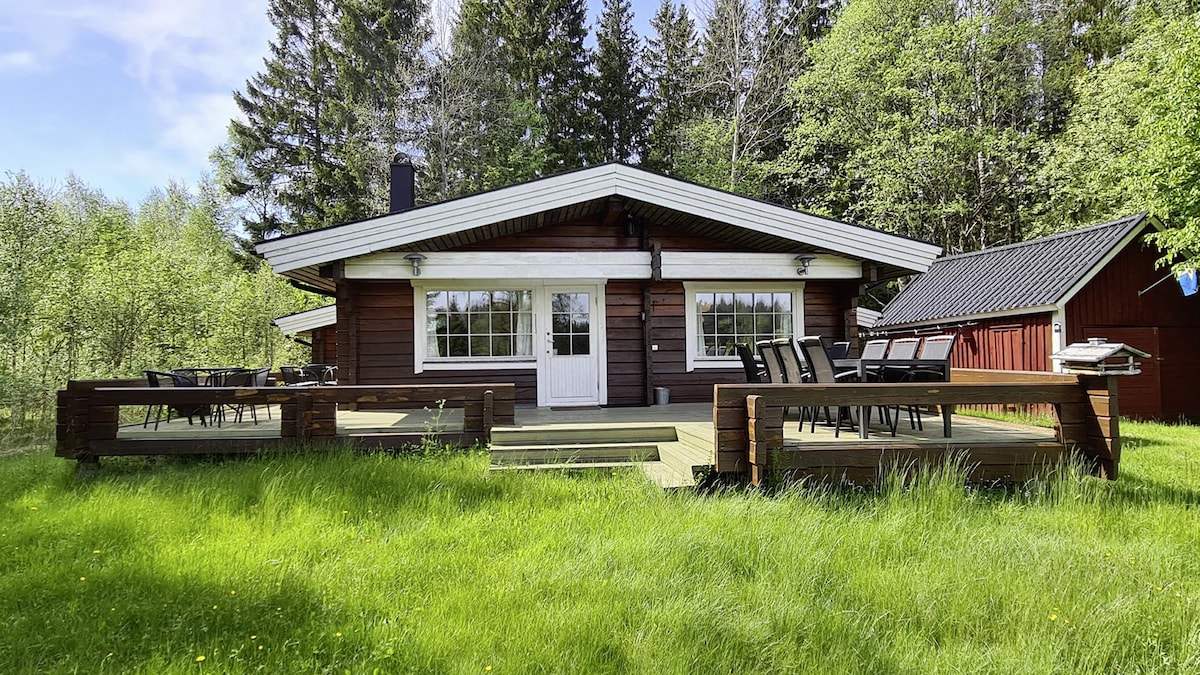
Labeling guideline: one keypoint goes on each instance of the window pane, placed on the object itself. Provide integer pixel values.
(579, 344)
(479, 324)
(726, 318)
(562, 345)
(579, 323)
(560, 323)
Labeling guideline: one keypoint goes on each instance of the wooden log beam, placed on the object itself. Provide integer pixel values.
(908, 393)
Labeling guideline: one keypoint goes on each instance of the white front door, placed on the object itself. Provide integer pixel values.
(569, 369)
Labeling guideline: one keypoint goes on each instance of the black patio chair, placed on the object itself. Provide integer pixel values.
(903, 349)
(770, 361)
(156, 378)
(296, 376)
(839, 350)
(820, 368)
(241, 377)
(754, 371)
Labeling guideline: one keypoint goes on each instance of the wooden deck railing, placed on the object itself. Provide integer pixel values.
(748, 418)
(88, 414)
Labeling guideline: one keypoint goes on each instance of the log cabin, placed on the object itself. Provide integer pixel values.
(594, 287)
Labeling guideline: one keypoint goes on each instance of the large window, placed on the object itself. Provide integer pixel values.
(479, 324)
(720, 315)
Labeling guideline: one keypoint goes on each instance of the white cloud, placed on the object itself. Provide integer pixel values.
(17, 60)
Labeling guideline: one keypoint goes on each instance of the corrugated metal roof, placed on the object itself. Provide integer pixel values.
(1028, 274)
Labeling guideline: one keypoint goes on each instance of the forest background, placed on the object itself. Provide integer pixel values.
(967, 123)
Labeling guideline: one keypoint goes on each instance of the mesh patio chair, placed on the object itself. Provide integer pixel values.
(242, 377)
(296, 376)
(839, 350)
(771, 361)
(754, 372)
(156, 378)
(904, 349)
(820, 369)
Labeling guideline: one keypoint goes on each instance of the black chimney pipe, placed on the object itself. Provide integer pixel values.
(403, 179)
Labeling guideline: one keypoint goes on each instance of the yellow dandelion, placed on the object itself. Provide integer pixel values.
(1067, 621)
(96, 552)
(489, 667)
(1056, 609)
(253, 637)
(338, 634)
(33, 508)
(260, 646)
(1054, 617)
(1158, 588)
(345, 512)
(200, 659)
(83, 578)
(214, 606)
(233, 592)
(1108, 554)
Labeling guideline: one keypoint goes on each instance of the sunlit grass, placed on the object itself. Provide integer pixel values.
(343, 561)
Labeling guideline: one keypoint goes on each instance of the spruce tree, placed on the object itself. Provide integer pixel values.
(565, 96)
(670, 63)
(621, 106)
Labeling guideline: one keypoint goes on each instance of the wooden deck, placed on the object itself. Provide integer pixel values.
(743, 432)
(671, 444)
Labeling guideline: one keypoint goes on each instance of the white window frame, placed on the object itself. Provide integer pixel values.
(690, 289)
(422, 363)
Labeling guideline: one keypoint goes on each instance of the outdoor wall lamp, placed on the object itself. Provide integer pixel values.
(803, 261)
(415, 259)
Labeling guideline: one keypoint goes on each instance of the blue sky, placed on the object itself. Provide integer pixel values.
(130, 94)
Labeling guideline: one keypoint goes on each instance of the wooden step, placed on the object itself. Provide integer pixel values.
(583, 434)
(562, 466)
(578, 453)
(683, 458)
(666, 476)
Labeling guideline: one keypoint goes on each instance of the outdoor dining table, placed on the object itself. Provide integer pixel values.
(864, 366)
(212, 374)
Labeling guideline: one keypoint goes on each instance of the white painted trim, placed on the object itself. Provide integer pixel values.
(420, 319)
(401, 229)
(303, 322)
(599, 327)
(1058, 335)
(495, 265)
(951, 320)
(691, 322)
(744, 266)
(482, 364)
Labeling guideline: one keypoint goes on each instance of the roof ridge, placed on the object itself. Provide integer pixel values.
(1122, 221)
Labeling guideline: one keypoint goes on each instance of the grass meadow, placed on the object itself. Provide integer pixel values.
(344, 562)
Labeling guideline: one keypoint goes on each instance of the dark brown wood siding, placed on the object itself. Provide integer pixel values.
(324, 345)
(1109, 306)
(626, 343)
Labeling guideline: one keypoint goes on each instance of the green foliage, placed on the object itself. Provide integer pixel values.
(671, 57)
(619, 86)
(98, 291)
(920, 119)
(337, 561)
(1133, 141)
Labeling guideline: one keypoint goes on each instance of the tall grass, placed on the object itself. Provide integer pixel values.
(345, 562)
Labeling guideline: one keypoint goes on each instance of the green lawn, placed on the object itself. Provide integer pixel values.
(350, 563)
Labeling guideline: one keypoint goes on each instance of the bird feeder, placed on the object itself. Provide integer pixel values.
(1099, 357)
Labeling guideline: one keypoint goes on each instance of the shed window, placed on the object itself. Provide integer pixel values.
(479, 324)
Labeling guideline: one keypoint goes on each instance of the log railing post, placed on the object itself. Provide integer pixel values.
(764, 426)
(489, 411)
(1102, 444)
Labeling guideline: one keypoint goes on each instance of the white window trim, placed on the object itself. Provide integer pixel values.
(690, 289)
(420, 320)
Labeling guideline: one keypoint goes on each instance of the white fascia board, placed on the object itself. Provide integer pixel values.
(302, 322)
(781, 266)
(982, 316)
(776, 220)
(505, 265)
(457, 215)
(398, 229)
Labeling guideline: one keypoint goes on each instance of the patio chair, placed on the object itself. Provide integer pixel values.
(754, 372)
(872, 351)
(839, 350)
(936, 350)
(821, 371)
(242, 377)
(156, 378)
(324, 373)
(771, 361)
(904, 349)
(296, 376)
(261, 376)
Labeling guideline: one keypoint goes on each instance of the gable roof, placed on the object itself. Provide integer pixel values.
(299, 256)
(1038, 273)
(303, 322)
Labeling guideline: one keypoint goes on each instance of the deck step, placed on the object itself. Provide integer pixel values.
(683, 458)
(562, 466)
(502, 436)
(667, 476)
(560, 453)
